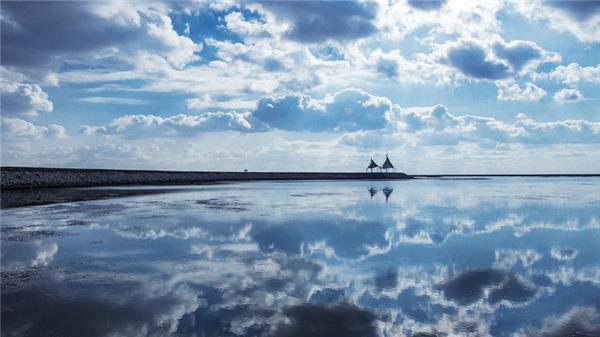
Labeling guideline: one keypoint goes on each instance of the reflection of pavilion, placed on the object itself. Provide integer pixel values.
(373, 191)
(387, 191)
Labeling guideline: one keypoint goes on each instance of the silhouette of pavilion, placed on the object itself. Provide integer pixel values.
(387, 165)
(372, 165)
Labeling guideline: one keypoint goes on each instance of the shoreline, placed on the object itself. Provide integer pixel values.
(12, 177)
(43, 177)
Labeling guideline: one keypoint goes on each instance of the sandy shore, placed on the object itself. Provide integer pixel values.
(36, 177)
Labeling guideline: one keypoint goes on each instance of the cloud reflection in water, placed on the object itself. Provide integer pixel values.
(489, 258)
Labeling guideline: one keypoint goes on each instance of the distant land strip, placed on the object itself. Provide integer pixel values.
(485, 175)
(44, 177)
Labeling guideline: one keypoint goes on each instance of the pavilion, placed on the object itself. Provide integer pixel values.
(387, 164)
(372, 165)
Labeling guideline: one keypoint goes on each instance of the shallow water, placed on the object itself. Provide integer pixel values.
(497, 257)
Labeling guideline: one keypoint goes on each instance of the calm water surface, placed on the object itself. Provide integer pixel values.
(498, 257)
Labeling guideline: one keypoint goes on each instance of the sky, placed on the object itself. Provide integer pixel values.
(440, 86)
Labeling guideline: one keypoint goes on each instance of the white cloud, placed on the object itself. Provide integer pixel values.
(493, 58)
(36, 43)
(349, 109)
(580, 18)
(113, 100)
(437, 126)
(177, 125)
(510, 90)
(456, 18)
(424, 69)
(573, 74)
(15, 127)
(314, 22)
(236, 23)
(356, 110)
(19, 98)
(568, 95)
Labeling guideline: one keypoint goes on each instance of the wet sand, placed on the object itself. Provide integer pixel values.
(21, 197)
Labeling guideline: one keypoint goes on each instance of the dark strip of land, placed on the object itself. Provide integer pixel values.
(548, 175)
(42, 177)
(29, 186)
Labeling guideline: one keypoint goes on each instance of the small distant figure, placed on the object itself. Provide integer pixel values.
(372, 165)
(245, 170)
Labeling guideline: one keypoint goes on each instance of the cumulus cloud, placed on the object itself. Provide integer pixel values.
(466, 19)
(427, 5)
(316, 21)
(236, 22)
(15, 127)
(472, 60)
(177, 125)
(422, 70)
(20, 98)
(521, 53)
(568, 95)
(39, 36)
(574, 73)
(368, 120)
(524, 130)
(500, 60)
(580, 10)
(580, 18)
(346, 110)
(437, 126)
(509, 90)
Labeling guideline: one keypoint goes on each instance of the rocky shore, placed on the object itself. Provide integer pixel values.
(38, 177)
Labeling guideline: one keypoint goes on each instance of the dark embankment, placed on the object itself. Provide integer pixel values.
(38, 177)
(20, 197)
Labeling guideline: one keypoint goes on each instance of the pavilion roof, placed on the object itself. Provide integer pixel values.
(387, 164)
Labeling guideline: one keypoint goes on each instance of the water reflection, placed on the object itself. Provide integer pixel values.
(387, 191)
(500, 257)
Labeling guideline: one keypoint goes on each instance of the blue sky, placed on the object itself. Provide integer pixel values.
(442, 86)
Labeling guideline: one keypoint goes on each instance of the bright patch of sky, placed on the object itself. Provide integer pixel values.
(442, 86)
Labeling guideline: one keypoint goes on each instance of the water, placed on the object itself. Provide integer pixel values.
(498, 257)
